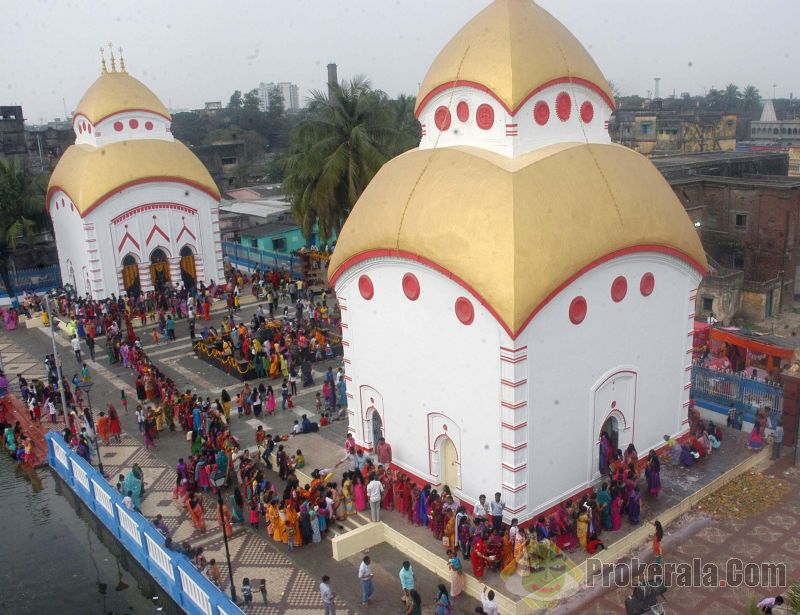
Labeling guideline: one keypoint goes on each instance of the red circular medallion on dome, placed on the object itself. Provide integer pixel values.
(541, 112)
(148, 125)
(484, 116)
(647, 284)
(442, 118)
(619, 288)
(411, 286)
(118, 126)
(577, 310)
(134, 124)
(462, 111)
(587, 111)
(365, 287)
(464, 311)
(563, 106)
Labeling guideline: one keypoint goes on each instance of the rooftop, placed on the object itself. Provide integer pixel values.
(663, 162)
(762, 181)
(264, 208)
(270, 228)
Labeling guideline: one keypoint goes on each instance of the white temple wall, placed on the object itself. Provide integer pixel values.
(429, 376)
(74, 252)
(632, 354)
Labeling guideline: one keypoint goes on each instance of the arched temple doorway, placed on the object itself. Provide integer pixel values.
(130, 275)
(159, 268)
(449, 457)
(188, 269)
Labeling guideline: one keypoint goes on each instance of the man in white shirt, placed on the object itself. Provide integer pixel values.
(496, 507)
(375, 494)
(365, 576)
(487, 600)
(480, 512)
(76, 346)
(328, 596)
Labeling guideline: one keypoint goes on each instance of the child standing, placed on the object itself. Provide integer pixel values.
(262, 587)
(290, 534)
(123, 400)
(214, 573)
(319, 404)
(253, 512)
(140, 418)
(247, 592)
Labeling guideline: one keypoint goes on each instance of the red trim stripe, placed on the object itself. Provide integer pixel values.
(520, 349)
(511, 383)
(514, 361)
(515, 427)
(514, 489)
(403, 254)
(517, 406)
(513, 469)
(519, 447)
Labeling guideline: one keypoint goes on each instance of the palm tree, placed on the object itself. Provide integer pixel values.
(335, 153)
(407, 129)
(21, 211)
(751, 100)
(731, 97)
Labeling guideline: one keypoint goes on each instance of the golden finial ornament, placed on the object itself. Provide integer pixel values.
(121, 60)
(113, 59)
(103, 61)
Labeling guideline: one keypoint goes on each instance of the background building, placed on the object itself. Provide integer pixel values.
(12, 133)
(289, 92)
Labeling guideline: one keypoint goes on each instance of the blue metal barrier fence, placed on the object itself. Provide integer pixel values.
(190, 590)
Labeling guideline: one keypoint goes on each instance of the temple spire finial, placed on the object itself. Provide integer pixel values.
(103, 68)
(121, 60)
(113, 59)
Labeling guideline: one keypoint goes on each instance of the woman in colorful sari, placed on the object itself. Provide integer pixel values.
(583, 526)
(114, 426)
(339, 512)
(347, 493)
(616, 510)
(274, 366)
(293, 521)
(604, 502)
(634, 506)
(423, 505)
(478, 557)
(605, 454)
(436, 516)
(194, 504)
(236, 502)
(521, 557)
(103, 427)
(359, 492)
(387, 480)
(316, 535)
(653, 474)
(450, 529)
(508, 565)
(443, 604)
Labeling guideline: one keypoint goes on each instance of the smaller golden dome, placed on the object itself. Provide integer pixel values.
(115, 92)
(512, 48)
(88, 175)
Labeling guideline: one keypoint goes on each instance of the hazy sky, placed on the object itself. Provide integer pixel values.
(192, 51)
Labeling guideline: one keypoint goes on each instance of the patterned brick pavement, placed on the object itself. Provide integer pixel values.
(768, 536)
(290, 589)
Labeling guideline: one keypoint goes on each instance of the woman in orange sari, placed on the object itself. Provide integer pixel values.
(274, 366)
(280, 531)
(293, 520)
(194, 504)
(508, 565)
(450, 530)
(224, 520)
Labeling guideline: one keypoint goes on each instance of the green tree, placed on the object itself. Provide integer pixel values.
(731, 97)
(407, 131)
(751, 100)
(21, 212)
(250, 101)
(335, 153)
(236, 100)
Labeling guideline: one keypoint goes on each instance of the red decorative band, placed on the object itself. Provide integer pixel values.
(151, 206)
(520, 349)
(479, 86)
(514, 427)
(513, 469)
(514, 489)
(511, 383)
(519, 447)
(510, 360)
(517, 406)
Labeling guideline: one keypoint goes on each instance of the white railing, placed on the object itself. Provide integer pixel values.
(80, 475)
(195, 593)
(61, 455)
(130, 526)
(102, 498)
(160, 557)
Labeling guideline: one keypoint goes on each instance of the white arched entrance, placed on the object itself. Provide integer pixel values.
(613, 411)
(444, 446)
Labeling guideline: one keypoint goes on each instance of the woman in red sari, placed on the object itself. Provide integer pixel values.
(114, 427)
(478, 557)
(437, 516)
(388, 491)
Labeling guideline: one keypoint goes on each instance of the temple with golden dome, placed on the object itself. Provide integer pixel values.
(132, 208)
(518, 284)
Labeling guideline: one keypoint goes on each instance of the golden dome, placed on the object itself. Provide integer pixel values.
(512, 48)
(517, 228)
(114, 92)
(89, 175)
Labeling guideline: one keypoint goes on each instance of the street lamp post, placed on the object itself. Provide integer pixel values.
(86, 386)
(59, 371)
(219, 480)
